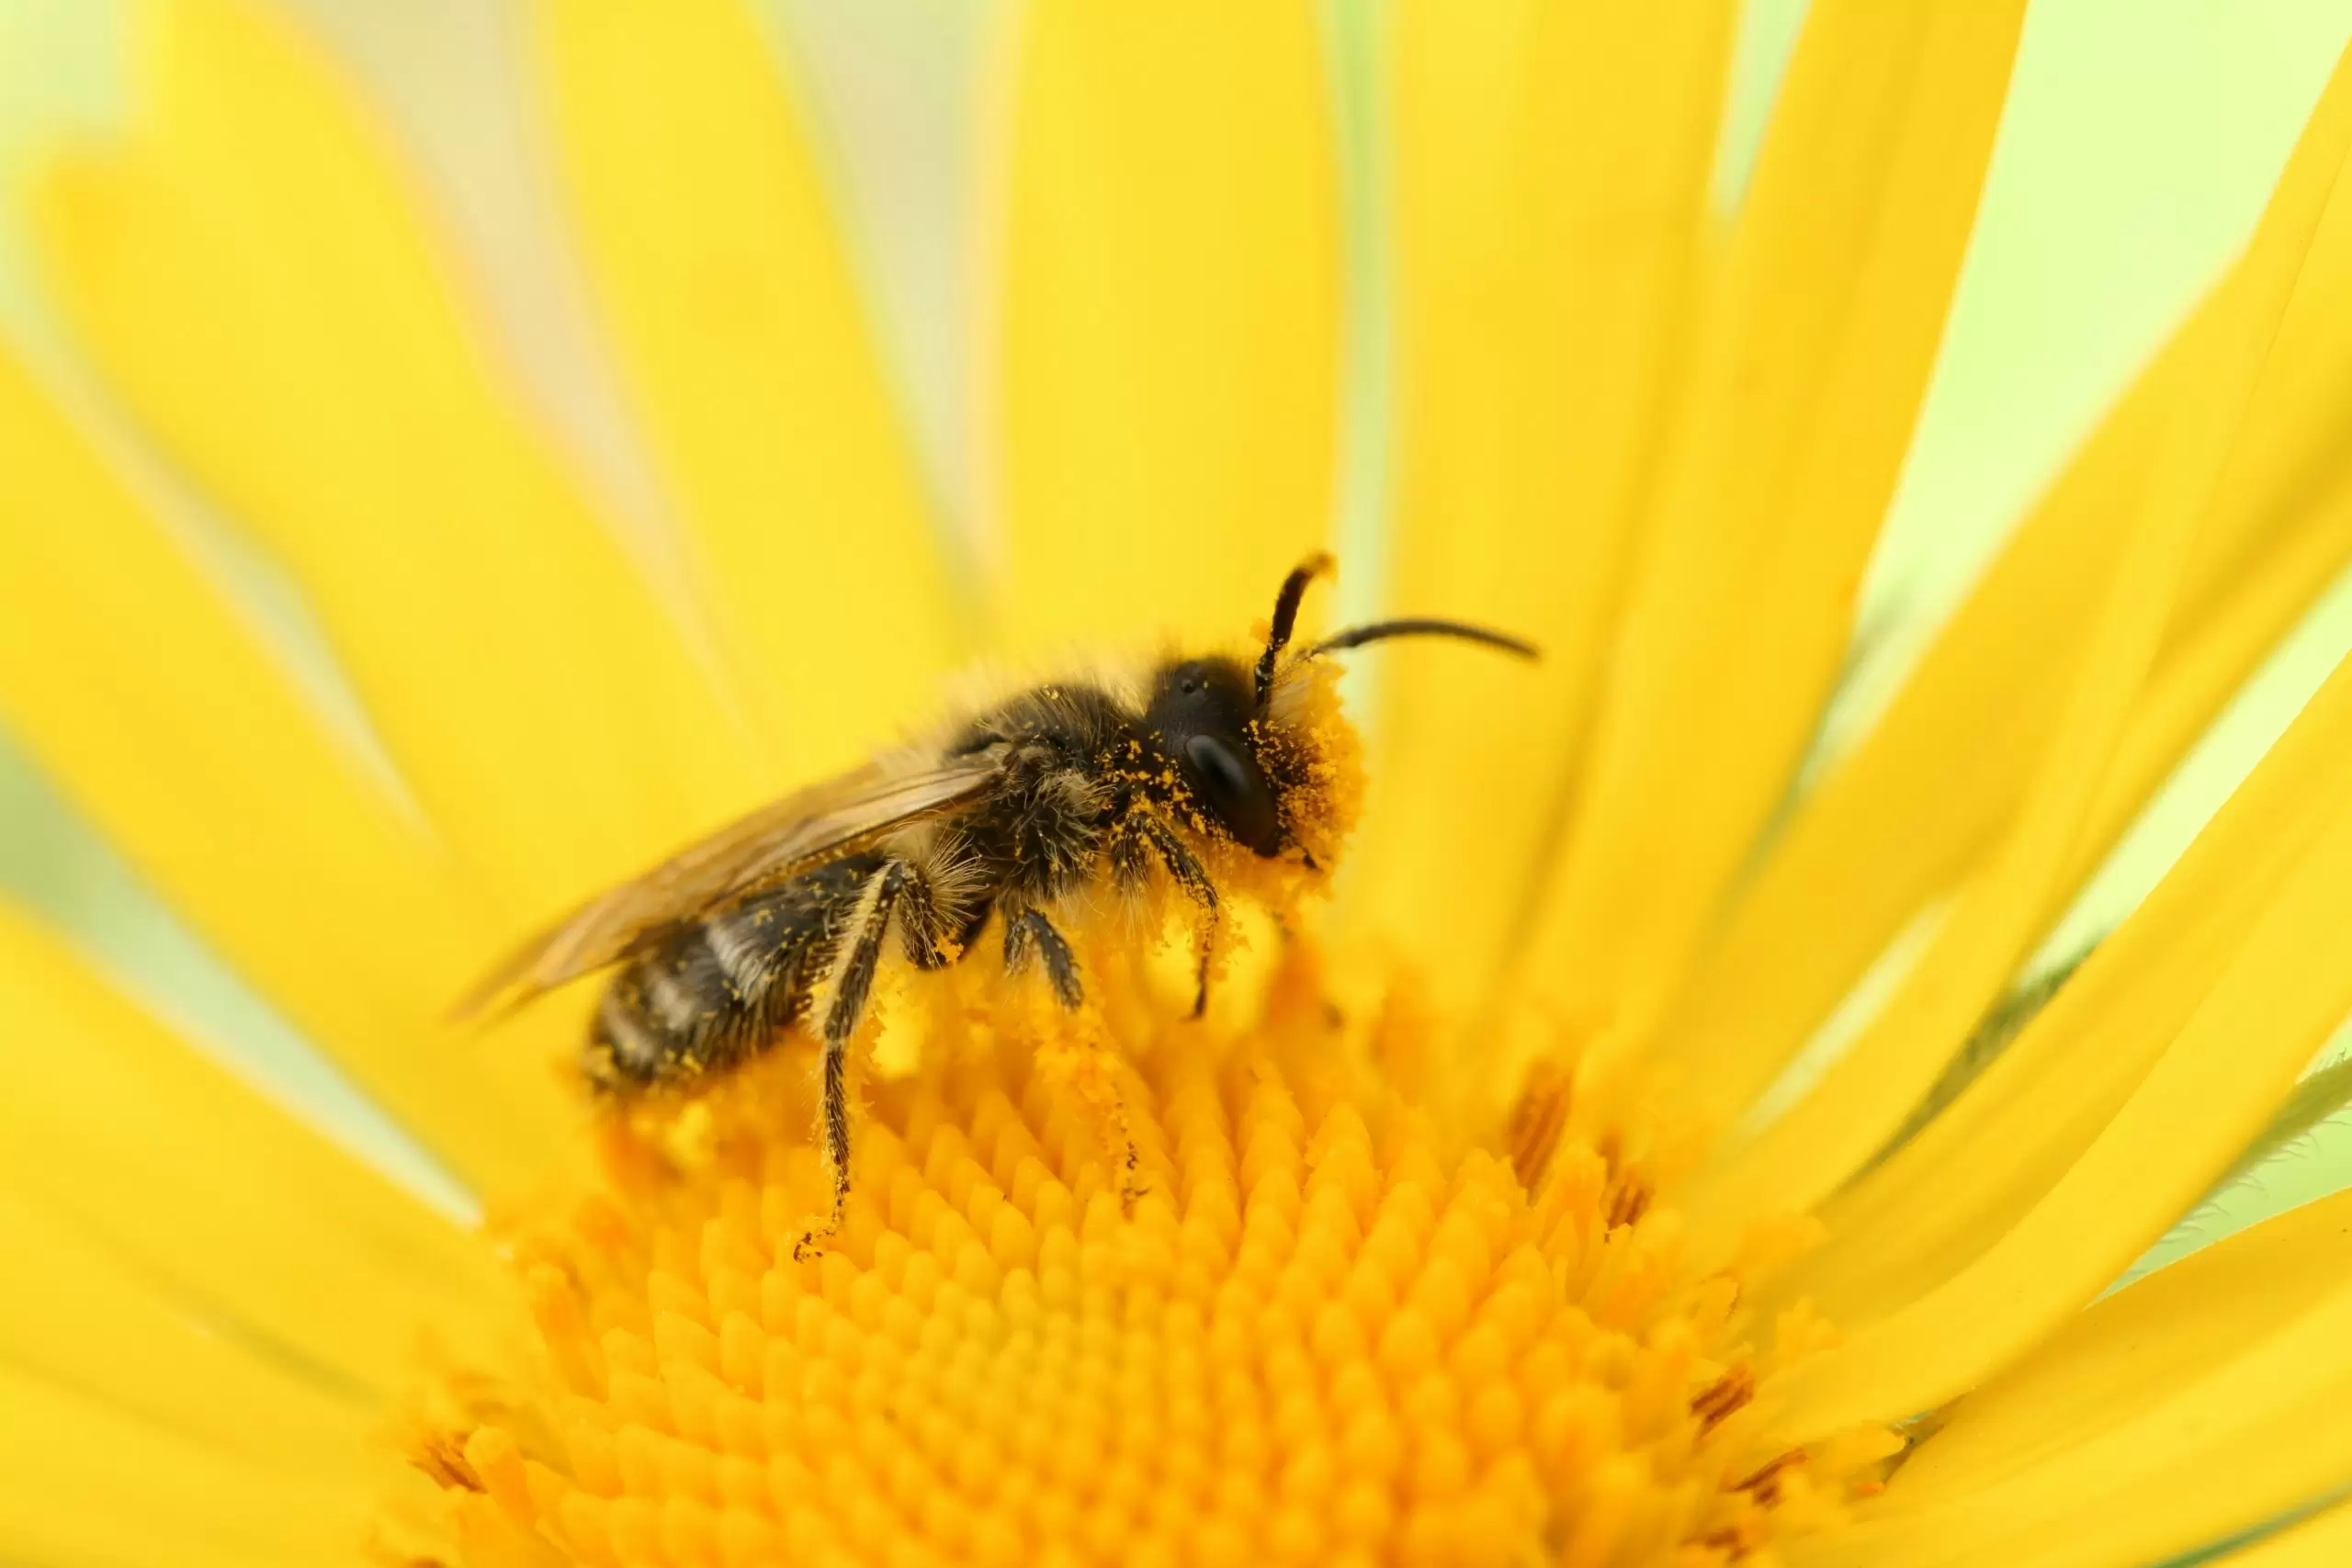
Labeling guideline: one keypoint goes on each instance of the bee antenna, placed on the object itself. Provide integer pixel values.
(1294, 589)
(1422, 625)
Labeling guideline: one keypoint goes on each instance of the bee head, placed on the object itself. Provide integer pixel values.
(1262, 749)
(1203, 712)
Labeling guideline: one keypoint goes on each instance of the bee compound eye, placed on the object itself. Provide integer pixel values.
(1231, 785)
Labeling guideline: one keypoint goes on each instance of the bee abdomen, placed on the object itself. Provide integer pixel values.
(712, 993)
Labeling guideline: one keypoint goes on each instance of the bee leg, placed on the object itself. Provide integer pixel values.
(1029, 933)
(1191, 875)
(1026, 932)
(853, 983)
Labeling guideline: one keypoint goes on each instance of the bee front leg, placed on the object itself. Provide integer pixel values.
(1080, 1060)
(1028, 932)
(1185, 869)
(853, 982)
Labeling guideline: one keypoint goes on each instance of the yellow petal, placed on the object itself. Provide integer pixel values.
(1551, 166)
(719, 270)
(154, 705)
(92, 1484)
(2320, 1541)
(251, 274)
(92, 1325)
(2287, 989)
(1814, 351)
(2126, 1355)
(1893, 824)
(1863, 1099)
(242, 1219)
(1165, 387)
(1908, 1224)
(2203, 1401)
(2204, 664)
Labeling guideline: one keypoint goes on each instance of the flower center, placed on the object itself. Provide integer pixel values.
(1212, 1296)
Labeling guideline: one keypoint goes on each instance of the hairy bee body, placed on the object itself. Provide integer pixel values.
(1081, 789)
(722, 986)
(1005, 820)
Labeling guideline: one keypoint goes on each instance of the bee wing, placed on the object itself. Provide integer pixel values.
(838, 816)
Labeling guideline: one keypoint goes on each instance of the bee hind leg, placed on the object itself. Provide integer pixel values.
(853, 982)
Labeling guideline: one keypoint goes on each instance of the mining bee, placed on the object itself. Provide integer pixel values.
(1015, 812)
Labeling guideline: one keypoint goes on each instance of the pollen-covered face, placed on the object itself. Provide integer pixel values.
(1273, 789)
(1312, 752)
(1208, 722)
(1268, 761)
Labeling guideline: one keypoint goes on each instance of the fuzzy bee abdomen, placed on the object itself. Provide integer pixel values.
(711, 993)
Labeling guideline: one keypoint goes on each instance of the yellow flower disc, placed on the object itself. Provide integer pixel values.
(1308, 1327)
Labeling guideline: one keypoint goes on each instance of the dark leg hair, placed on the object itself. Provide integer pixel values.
(1194, 878)
(1025, 932)
(852, 983)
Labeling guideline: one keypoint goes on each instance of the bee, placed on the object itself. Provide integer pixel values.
(1014, 813)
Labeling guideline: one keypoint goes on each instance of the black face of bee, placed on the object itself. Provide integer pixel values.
(1201, 712)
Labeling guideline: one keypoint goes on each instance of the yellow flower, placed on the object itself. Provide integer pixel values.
(1445, 1241)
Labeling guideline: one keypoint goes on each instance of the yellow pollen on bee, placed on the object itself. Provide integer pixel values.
(1318, 1334)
